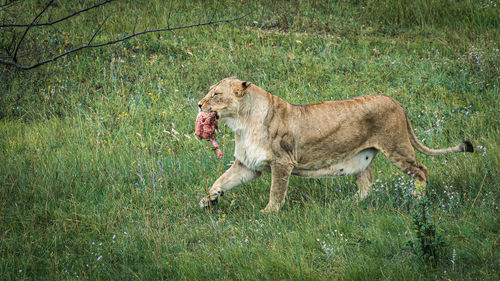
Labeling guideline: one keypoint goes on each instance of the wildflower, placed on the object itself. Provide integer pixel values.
(235, 228)
(114, 236)
(99, 258)
(20, 270)
(223, 216)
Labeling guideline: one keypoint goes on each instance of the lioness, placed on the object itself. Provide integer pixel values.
(329, 138)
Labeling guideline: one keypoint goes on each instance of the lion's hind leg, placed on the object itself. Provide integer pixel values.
(404, 158)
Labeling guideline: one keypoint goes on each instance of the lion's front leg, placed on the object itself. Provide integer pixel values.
(234, 176)
(280, 175)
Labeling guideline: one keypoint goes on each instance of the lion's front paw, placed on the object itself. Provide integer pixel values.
(207, 202)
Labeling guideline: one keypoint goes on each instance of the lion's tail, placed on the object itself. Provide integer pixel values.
(465, 146)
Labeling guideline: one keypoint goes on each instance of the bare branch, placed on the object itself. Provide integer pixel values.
(97, 31)
(24, 67)
(14, 58)
(58, 20)
(7, 4)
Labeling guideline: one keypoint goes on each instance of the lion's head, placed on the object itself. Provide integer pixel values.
(224, 97)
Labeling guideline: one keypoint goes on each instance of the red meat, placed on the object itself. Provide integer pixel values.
(205, 127)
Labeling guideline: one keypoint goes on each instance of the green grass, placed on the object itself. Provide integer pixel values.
(69, 154)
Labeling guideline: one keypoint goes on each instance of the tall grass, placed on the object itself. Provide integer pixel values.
(74, 205)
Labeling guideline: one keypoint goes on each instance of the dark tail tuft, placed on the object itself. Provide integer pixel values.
(467, 146)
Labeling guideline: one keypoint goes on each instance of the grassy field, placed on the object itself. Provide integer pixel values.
(100, 174)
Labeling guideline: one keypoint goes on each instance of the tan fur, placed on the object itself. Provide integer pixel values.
(317, 140)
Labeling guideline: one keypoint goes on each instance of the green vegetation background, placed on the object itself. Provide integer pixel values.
(72, 134)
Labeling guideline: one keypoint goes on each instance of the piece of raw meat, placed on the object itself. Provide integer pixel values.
(205, 127)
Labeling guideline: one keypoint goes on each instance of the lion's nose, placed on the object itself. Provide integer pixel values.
(200, 105)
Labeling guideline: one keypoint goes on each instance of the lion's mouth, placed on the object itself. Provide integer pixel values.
(210, 111)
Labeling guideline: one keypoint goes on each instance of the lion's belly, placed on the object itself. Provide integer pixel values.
(352, 165)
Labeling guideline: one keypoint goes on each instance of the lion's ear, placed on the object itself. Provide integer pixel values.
(244, 86)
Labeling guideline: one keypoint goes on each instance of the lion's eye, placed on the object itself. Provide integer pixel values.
(216, 94)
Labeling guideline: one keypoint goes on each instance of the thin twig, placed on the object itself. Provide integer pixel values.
(24, 67)
(7, 4)
(213, 14)
(97, 31)
(169, 13)
(135, 24)
(12, 44)
(14, 58)
(58, 20)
